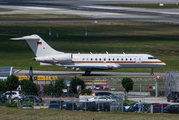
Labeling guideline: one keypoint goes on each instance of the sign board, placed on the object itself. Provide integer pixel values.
(78, 88)
(68, 83)
(163, 77)
(158, 77)
(101, 87)
(64, 90)
(112, 88)
(150, 87)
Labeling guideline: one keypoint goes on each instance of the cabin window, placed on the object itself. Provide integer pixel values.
(87, 59)
(113, 59)
(83, 59)
(96, 59)
(139, 58)
(130, 59)
(135, 59)
(104, 59)
(122, 59)
(126, 59)
(99, 59)
(109, 59)
(91, 59)
(117, 59)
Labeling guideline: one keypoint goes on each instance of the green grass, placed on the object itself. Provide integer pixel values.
(152, 6)
(45, 114)
(160, 40)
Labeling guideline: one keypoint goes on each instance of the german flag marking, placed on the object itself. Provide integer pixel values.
(39, 43)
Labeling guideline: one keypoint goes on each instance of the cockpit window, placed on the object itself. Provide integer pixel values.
(152, 58)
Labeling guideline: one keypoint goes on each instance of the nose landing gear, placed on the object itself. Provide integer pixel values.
(152, 73)
(87, 73)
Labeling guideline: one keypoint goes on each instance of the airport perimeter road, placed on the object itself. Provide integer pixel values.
(92, 9)
(153, 100)
(75, 73)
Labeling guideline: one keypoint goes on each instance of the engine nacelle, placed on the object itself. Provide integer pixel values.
(63, 58)
(60, 58)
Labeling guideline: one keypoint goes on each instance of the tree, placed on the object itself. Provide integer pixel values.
(127, 84)
(12, 82)
(59, 85)
(88, 91)
(76, 81)
(29, 87)
(50, 89)
(2, 86)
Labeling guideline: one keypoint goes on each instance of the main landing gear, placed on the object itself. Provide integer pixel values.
(152, 73)
(87, 73)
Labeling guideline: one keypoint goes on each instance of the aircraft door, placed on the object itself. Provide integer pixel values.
(138, 60)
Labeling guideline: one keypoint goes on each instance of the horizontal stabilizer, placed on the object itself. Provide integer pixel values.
(31, 37)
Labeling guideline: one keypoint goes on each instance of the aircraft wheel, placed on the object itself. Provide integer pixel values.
(87, 73)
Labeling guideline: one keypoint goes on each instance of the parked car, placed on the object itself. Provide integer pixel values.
(36, 98)
(88, 106)
(101, 99)
(27, 106)
(109, 94)
(3, 96)
(147, 107)
(3, 100)
(13, 94)
(69, 105)
(128, 106)
(158, 107)
(172, 108)
(103, 106)
(54, 106)
(173, 96)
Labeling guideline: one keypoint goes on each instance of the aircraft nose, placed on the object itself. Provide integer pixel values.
(163, 64)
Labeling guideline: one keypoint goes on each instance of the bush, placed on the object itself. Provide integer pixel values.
(88, 91)
(11, 104)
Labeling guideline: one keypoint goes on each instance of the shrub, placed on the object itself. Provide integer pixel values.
(88, 91)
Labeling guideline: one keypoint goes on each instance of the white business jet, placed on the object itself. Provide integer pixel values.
(88, 62)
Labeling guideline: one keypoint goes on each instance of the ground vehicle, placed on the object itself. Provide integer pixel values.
(54, 106)
(103, 106)
(128, 106)
(88, 106)
(57, 102)
(158, 108)
(105, 94)
(172, 108)
(101, 99)
(36, 98)
(14, 94)
(2, 100)
(27, 106)
(69, 105)
(173, 96)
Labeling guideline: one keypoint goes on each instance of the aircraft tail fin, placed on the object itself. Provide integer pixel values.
(38, 45)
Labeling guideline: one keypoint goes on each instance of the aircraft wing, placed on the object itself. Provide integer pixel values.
(93, 67)
(83, 67)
